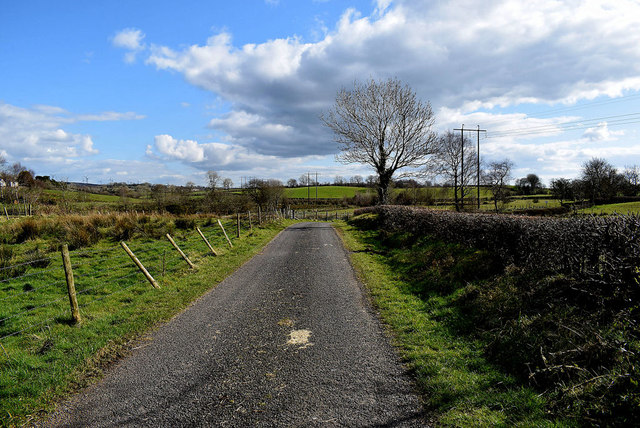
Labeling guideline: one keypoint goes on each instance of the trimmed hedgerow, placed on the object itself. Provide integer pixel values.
(601, 250)
(562, 313)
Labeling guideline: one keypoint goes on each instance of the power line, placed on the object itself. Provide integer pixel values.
(621, 119)
(551, 112)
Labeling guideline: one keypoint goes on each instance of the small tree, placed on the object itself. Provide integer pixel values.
(384, 125)
(213, 178)
(227, 184)
(528, 185)
(292, 182)
(447, 163)
(497, 176)
(265, 193)
(632, 177)
(600, 179)
(304, 180)
(561, 189)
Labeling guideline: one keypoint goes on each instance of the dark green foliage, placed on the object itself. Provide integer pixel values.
(603, 250)
(185, 223)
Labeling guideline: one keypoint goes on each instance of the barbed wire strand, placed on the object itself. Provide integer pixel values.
(33, 290)
(26, 263)
(29, 327)
(86, 290)
(27, 275)
(34, 308)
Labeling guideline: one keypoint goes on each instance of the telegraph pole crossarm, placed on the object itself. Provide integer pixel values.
(461, 129)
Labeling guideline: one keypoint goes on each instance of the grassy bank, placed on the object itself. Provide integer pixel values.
(49, 356)
(538, 327)
(420, 287)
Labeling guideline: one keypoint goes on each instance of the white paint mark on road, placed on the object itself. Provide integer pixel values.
(300, 337)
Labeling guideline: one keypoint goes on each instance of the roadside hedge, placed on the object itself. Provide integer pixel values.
(603, 250)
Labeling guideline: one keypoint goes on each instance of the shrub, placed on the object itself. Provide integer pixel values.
(26, 230)
(185, 223)
(561, 312)
(601, 250)
(124, 228)
(77, 233)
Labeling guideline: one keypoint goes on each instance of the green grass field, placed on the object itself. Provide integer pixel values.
(623, 208)
(325, 192)
(86, 196)
(347, 191)
(45, 356)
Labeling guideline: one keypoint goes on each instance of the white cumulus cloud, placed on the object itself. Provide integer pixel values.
(38, 133)
(504, 53)
(130, 39)
(601, 133)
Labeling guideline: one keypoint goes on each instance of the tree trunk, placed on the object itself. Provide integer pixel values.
(384, 180)
(455, 191)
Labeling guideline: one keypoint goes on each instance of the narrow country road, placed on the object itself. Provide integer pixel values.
(287, 340)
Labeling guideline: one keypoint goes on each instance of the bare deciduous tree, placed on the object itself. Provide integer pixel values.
(382, 124)
(265, 193)
(213, 178)
(447, 163)
(227, 184)
(497, 176)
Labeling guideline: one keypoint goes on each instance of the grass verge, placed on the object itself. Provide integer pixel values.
(44, 363)
(418, 286)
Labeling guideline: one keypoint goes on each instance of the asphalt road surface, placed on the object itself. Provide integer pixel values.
(288, 340)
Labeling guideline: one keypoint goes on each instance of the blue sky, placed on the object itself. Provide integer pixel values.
(162, 92)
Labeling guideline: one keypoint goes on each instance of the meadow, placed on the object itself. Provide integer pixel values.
(325, 192)
(45, 354)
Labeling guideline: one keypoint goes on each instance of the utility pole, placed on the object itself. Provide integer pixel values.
(316, 188)
(461, 129)
(308, 189)
(479, 130)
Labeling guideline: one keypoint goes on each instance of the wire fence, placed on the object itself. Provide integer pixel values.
(35, 293)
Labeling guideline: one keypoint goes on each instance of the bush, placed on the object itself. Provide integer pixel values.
(185, 223)
(27, 229)
(602, 250)
(562, 312)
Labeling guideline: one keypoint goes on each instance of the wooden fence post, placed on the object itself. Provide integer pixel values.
(206, 241)
(140, 266)
(259, 216)
(237, 225)
(225, 233)
(250, 224)
(71, 287)
(5, 212)
(184, 256)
